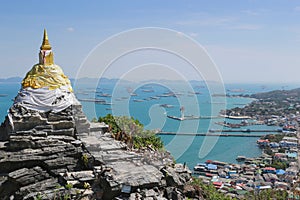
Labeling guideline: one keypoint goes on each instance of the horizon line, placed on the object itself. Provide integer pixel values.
(172, 80)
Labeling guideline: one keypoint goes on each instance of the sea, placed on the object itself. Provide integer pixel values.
(151, 102)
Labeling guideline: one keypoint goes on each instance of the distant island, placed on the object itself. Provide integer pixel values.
(16, 79)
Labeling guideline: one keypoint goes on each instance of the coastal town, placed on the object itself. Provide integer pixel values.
(278, 166)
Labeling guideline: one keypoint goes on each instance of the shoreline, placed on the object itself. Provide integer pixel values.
(279, 163)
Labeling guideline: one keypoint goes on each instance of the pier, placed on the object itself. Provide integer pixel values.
(244, 130)
(211, 134)
(192, 117)
(225, 133)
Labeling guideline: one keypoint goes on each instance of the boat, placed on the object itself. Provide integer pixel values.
(147, 90)
(218, 95)
(3, 95)
(133, 94)
(104, 95)
(176, 118)
(163, 95)
(155, 98)
(182, 118)
(241, 158)
(166, 105)
(167, 94)
(194, 93)
(199, 168)
(138, 100)
(108, 103)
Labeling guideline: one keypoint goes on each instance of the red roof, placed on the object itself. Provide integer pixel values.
(209, 174)
(217, 183)
(260, 141)
(270, 168)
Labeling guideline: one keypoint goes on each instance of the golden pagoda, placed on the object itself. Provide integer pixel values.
(46, 74)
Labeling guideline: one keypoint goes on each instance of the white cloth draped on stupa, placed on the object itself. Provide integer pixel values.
(44, 100)
(45, 87)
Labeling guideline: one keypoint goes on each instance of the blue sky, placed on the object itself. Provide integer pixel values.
(249, 40)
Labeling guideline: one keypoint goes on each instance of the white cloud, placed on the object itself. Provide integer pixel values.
(70, 29)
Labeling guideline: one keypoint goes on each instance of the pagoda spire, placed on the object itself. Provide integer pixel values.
(45, 44)
(46, 55)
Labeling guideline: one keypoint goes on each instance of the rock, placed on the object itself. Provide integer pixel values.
(173, 193)
(38, 187)
(172, 178)
(62, 124)
(98, 127)
(190, 191)
(144, 176)
(150, 193)
(135, 196)
(43, 150)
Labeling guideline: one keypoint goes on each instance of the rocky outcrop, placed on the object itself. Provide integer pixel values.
(36, 147)
(51, 155)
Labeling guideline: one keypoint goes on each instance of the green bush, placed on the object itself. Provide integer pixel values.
(208, 191)
(267, 194)
(131, 130)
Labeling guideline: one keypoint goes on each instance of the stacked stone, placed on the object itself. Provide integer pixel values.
(47, 150)
(38, 149)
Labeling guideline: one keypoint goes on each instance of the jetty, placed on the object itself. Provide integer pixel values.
(192, 117)
(235, 117)
(210, 134)
(244, 130)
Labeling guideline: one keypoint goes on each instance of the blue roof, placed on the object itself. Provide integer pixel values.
(292, 155)
(211, 166)
(280, 171)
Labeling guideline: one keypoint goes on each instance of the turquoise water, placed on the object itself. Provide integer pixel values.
(143, 107)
